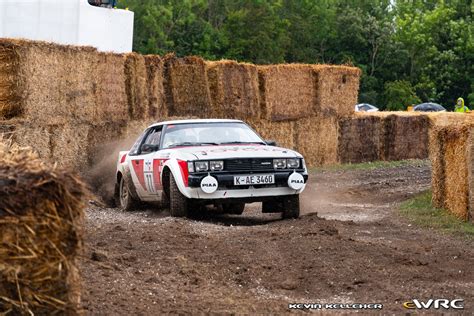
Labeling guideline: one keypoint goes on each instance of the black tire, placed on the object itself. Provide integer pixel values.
(234, 208)
(291, 204)
(179, 204)
(125, 200)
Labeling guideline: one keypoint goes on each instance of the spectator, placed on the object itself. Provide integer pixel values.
(460, 107)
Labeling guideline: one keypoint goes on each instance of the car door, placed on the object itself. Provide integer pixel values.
(144, 169)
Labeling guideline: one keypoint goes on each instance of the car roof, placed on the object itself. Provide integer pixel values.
(195, 121)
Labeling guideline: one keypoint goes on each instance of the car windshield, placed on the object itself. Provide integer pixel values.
(199, 134)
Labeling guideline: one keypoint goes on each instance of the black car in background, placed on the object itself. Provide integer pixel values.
(429, 107)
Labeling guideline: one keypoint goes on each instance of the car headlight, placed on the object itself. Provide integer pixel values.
(190, 166)
(293, 163)
(201, 166)
(217, 165)
(279, 163)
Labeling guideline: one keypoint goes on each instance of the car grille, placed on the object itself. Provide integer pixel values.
(248, 165)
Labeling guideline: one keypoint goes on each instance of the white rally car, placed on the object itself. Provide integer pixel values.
(187, 163)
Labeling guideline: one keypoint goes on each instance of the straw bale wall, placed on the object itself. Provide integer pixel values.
(317, 140)
(287, 91)
(360, 139)
(281, 132)
(41, 218)
(234, 89)
(186, 86)
(337, 89)
(452, 159)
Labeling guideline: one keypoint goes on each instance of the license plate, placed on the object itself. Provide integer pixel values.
(254, 179)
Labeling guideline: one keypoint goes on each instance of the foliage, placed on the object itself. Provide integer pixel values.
(399, 95)
(420, 211)
(412, 50)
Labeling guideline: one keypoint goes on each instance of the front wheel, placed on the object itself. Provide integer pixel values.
(291, 206)
(179, 204)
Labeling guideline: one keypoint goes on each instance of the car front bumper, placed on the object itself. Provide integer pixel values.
(227, 189)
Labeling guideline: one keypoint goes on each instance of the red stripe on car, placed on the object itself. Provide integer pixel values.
(138, 168)
(183, 165)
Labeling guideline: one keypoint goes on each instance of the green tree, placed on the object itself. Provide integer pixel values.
(400, 94)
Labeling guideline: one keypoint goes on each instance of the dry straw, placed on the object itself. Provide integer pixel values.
(156, 93)
(360, 139)
(136, 86)
(316, 139)
(233, 89)
(41, 217)
(281, 132)
(287, 91)
(337, 89)
(111, 100)
(186, 88)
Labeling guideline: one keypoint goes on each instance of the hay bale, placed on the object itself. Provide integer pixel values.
(456, 172)
(10, 88)
(156, 93)
(317, 140)
(76, 146)
(111, 95)
(452, 169)
(450, 118)
(136, 86)
(233, 89)
(34, 136)
(287, 91)
(41, 218)
(359, 139)
(405, 136)
(438, 167)
(186, 87)
(52, 83)
(281, 132)
(337, 89)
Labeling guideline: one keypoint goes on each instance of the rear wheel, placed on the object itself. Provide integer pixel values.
(234, 208)
(291, 206)
(125, 198)
(179, 204)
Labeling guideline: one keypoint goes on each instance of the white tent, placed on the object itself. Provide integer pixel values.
(73, 22)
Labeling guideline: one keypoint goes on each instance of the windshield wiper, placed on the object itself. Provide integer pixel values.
(236, 142)
(191, 144)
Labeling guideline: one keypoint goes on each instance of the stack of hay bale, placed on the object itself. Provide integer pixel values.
(452, 159)
(67, 101)
(41, 214)
(365, 137)
(70, 101)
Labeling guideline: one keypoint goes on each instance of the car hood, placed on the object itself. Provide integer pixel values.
(239, 151)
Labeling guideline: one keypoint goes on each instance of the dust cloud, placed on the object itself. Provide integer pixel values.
(101, 176)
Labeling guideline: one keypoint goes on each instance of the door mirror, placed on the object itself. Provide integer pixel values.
(271, 142)
(147, 148)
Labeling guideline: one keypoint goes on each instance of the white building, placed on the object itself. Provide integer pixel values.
(73, 22)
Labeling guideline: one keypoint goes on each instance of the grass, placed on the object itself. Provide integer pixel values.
(420, 211)
(373, 165)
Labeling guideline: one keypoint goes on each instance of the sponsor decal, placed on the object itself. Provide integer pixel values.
(209, 184)
(440, 303)
(296, 181)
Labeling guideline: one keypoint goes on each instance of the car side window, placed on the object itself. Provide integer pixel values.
(153, 137)
(135, 148)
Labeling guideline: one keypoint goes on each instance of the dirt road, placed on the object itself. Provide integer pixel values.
(350, 245)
